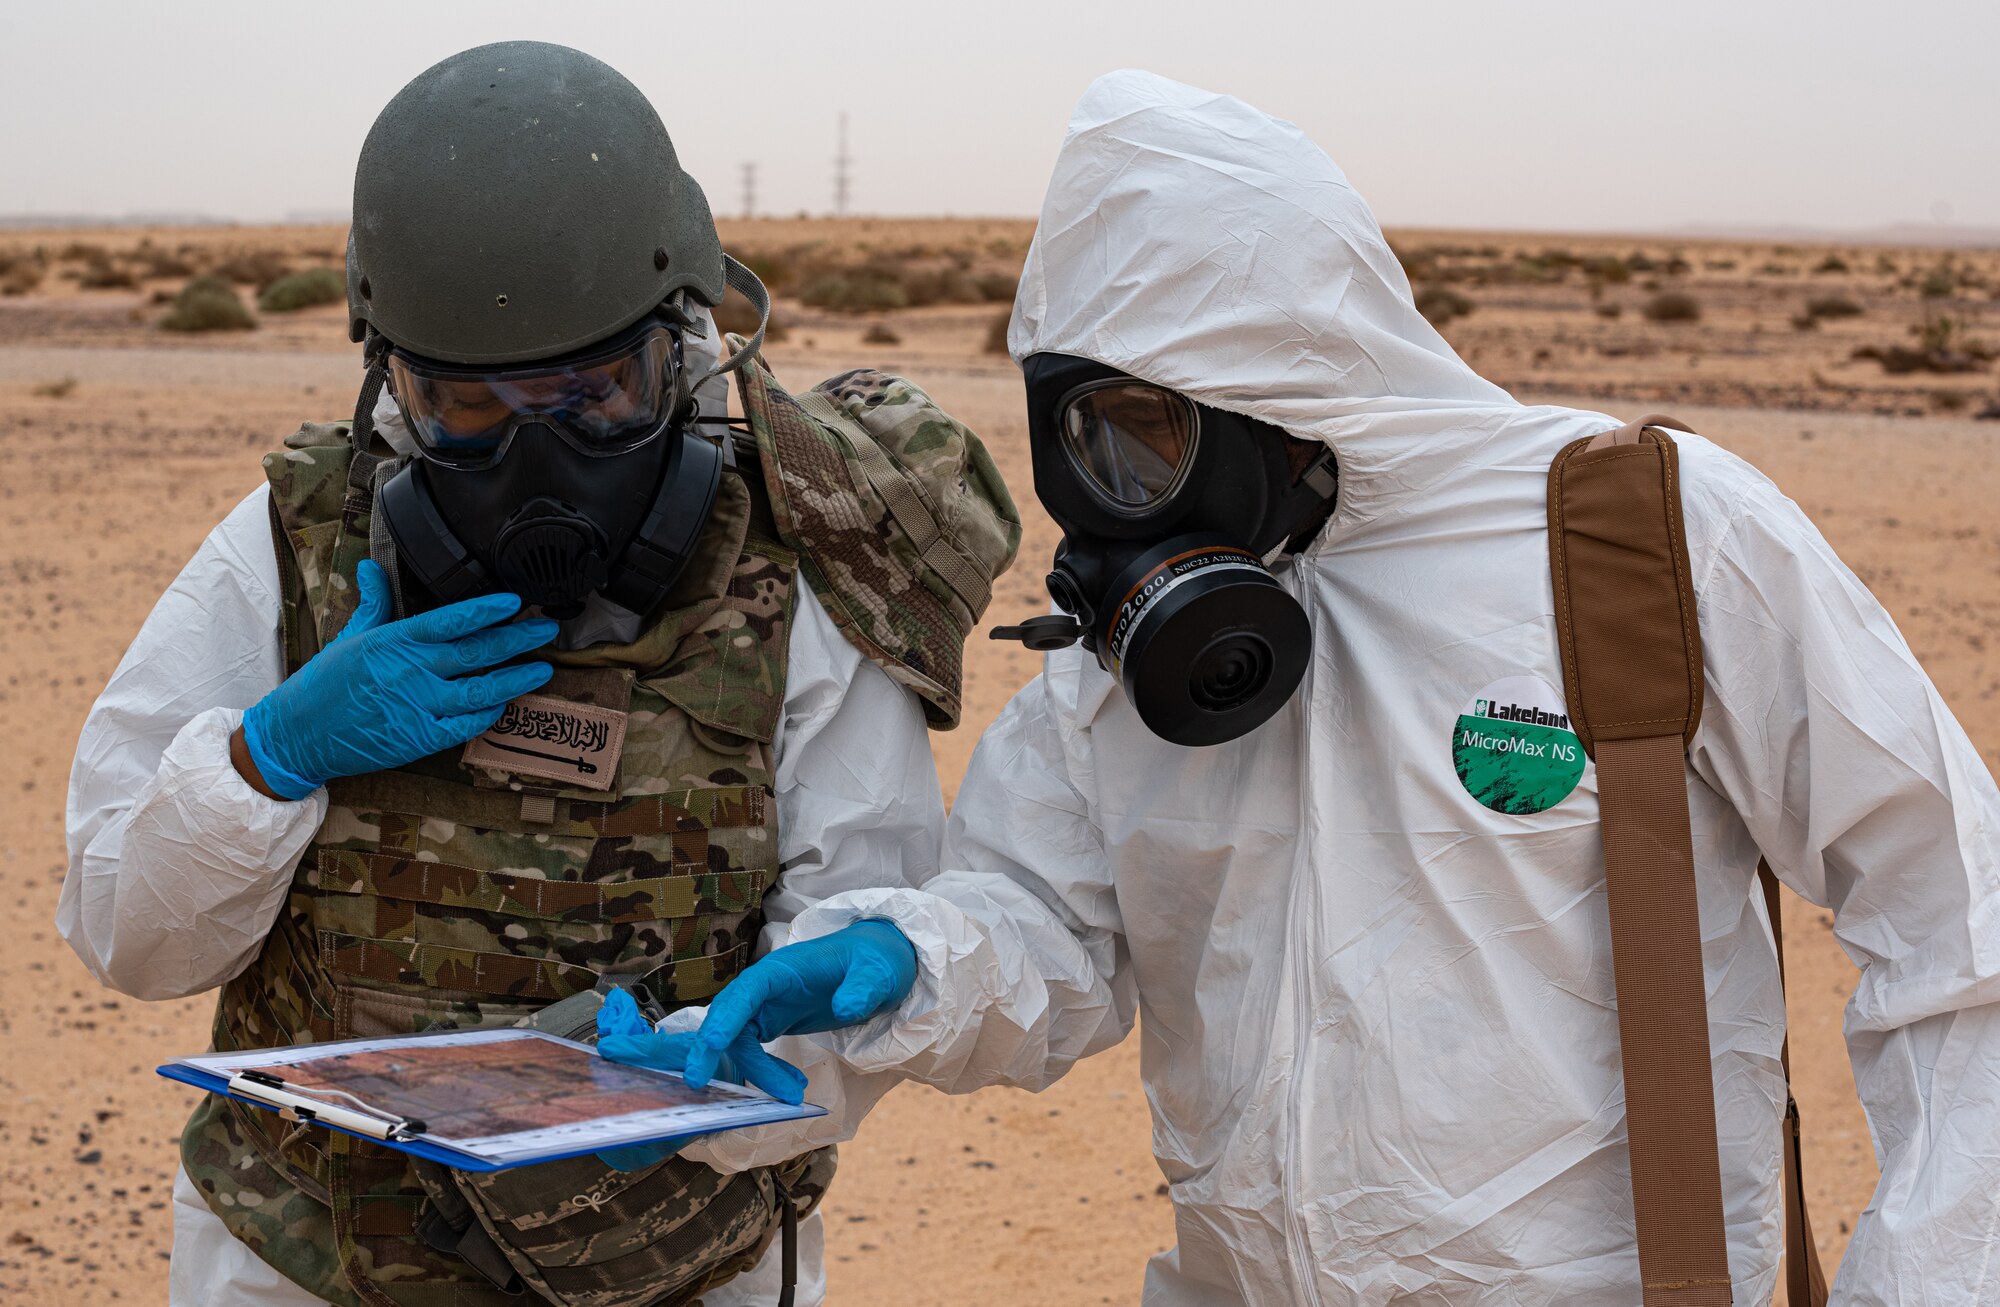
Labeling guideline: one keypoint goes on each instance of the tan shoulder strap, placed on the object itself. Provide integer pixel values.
(1805, 1282)
(1631, 653)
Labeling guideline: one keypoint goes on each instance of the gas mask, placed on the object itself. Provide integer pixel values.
(1169, 510)
(553, 480)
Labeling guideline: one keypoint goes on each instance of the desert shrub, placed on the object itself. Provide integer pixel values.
(857, 290)
(1949, 401)
(20, 273)
(303, 289)
(1607, 271)
(1678, 266)
(151, 260)
(1804, 322)
(923, 287)
(996, 334)
(1936, 285)
(1440, 305)
(208, 304)
(1673, 306)
(999, 287)
(83, 252)
(1609, 310)
(103, 274)
(1830, 264)
(1832, 306)
(880, 333)
(59, 389)
(259, 268)
(1719, 265)
(1776, 269)
(1638, 262)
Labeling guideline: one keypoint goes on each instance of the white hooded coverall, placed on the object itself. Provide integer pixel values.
(177, 868)
(1379, 1034)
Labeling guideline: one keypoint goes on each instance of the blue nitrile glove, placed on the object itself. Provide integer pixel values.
(384, 693)
(624, 1035)
(836, 980)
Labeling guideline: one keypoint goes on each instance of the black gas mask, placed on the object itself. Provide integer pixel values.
(1169, 509)
(552, 480)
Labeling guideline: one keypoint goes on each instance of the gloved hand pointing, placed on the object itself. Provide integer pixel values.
(384, 693)
(837, 980)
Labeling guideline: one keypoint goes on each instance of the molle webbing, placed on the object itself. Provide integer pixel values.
(1632, 675)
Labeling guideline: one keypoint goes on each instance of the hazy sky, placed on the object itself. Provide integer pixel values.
(1545, 114)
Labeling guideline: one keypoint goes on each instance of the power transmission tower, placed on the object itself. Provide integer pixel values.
(749, 190)
(842, 162)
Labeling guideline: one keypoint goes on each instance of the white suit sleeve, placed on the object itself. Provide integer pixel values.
(1866, 796)
(1022, 959)
(176, 866)
(859, 813)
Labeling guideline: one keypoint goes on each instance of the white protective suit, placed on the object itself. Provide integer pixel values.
(1379, 1034)
(178, 868)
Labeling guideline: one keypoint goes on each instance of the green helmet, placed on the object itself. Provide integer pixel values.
(518, 201)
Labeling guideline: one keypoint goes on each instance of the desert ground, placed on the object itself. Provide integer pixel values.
(122, 443)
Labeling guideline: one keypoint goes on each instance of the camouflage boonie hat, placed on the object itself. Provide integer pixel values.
(902, 518)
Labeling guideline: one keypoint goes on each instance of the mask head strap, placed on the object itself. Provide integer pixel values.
(374, 356)
(744, 282)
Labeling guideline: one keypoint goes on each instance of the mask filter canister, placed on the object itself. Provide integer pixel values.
(1204, 641)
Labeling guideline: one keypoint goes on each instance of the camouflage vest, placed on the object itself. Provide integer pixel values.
(439, 895)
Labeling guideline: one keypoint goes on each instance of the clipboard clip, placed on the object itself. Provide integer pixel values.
(297, 1103)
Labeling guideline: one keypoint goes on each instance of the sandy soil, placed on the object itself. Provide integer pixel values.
(107, 487)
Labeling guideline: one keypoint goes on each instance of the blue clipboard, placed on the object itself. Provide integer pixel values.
(299, 1102)
(424, 1148)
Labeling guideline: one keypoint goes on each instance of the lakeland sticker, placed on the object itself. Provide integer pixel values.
(1514, 749)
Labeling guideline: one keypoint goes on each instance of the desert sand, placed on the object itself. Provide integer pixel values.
(121, 445)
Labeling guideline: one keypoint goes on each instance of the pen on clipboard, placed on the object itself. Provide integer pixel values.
(293, 1105)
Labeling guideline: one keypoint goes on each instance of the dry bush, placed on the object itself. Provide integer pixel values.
(1949, 401)
(1832, 306)
(20, 271)
(1804, 322)
(103, 274)
(208, 304)
(1673, 306)
(83, 252)
(1608, 310)
(1607, 271)
(1440, 304)
(1678, 266)
(1830, 264)
(858, 290)
(304, 289)
(156, 262)
(996, 334)
(879, 333)
(1937, 284)
(259, 268)
(999, 287)
(924, 286)
(1639, 262)
(60, 389)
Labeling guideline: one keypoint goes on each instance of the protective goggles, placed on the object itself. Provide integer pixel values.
(604, 401)
(1133, 442)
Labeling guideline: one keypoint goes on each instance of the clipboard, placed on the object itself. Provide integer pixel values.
(479, 1100)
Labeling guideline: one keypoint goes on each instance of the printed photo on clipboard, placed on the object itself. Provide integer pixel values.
(488, 1099)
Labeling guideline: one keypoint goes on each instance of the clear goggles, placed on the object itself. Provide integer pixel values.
(1134, 442)
(604, 401)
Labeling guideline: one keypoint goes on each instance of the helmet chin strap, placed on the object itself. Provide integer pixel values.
(744, 282)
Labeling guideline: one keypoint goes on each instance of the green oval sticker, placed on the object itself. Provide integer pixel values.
(1514, 749)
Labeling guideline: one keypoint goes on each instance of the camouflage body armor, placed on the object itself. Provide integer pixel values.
(440, 895)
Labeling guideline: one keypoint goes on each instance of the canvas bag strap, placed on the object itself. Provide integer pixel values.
(1631, 653)
(1805, 1281)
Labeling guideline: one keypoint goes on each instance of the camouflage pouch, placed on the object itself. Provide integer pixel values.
(902, 518)
(581, 1235)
